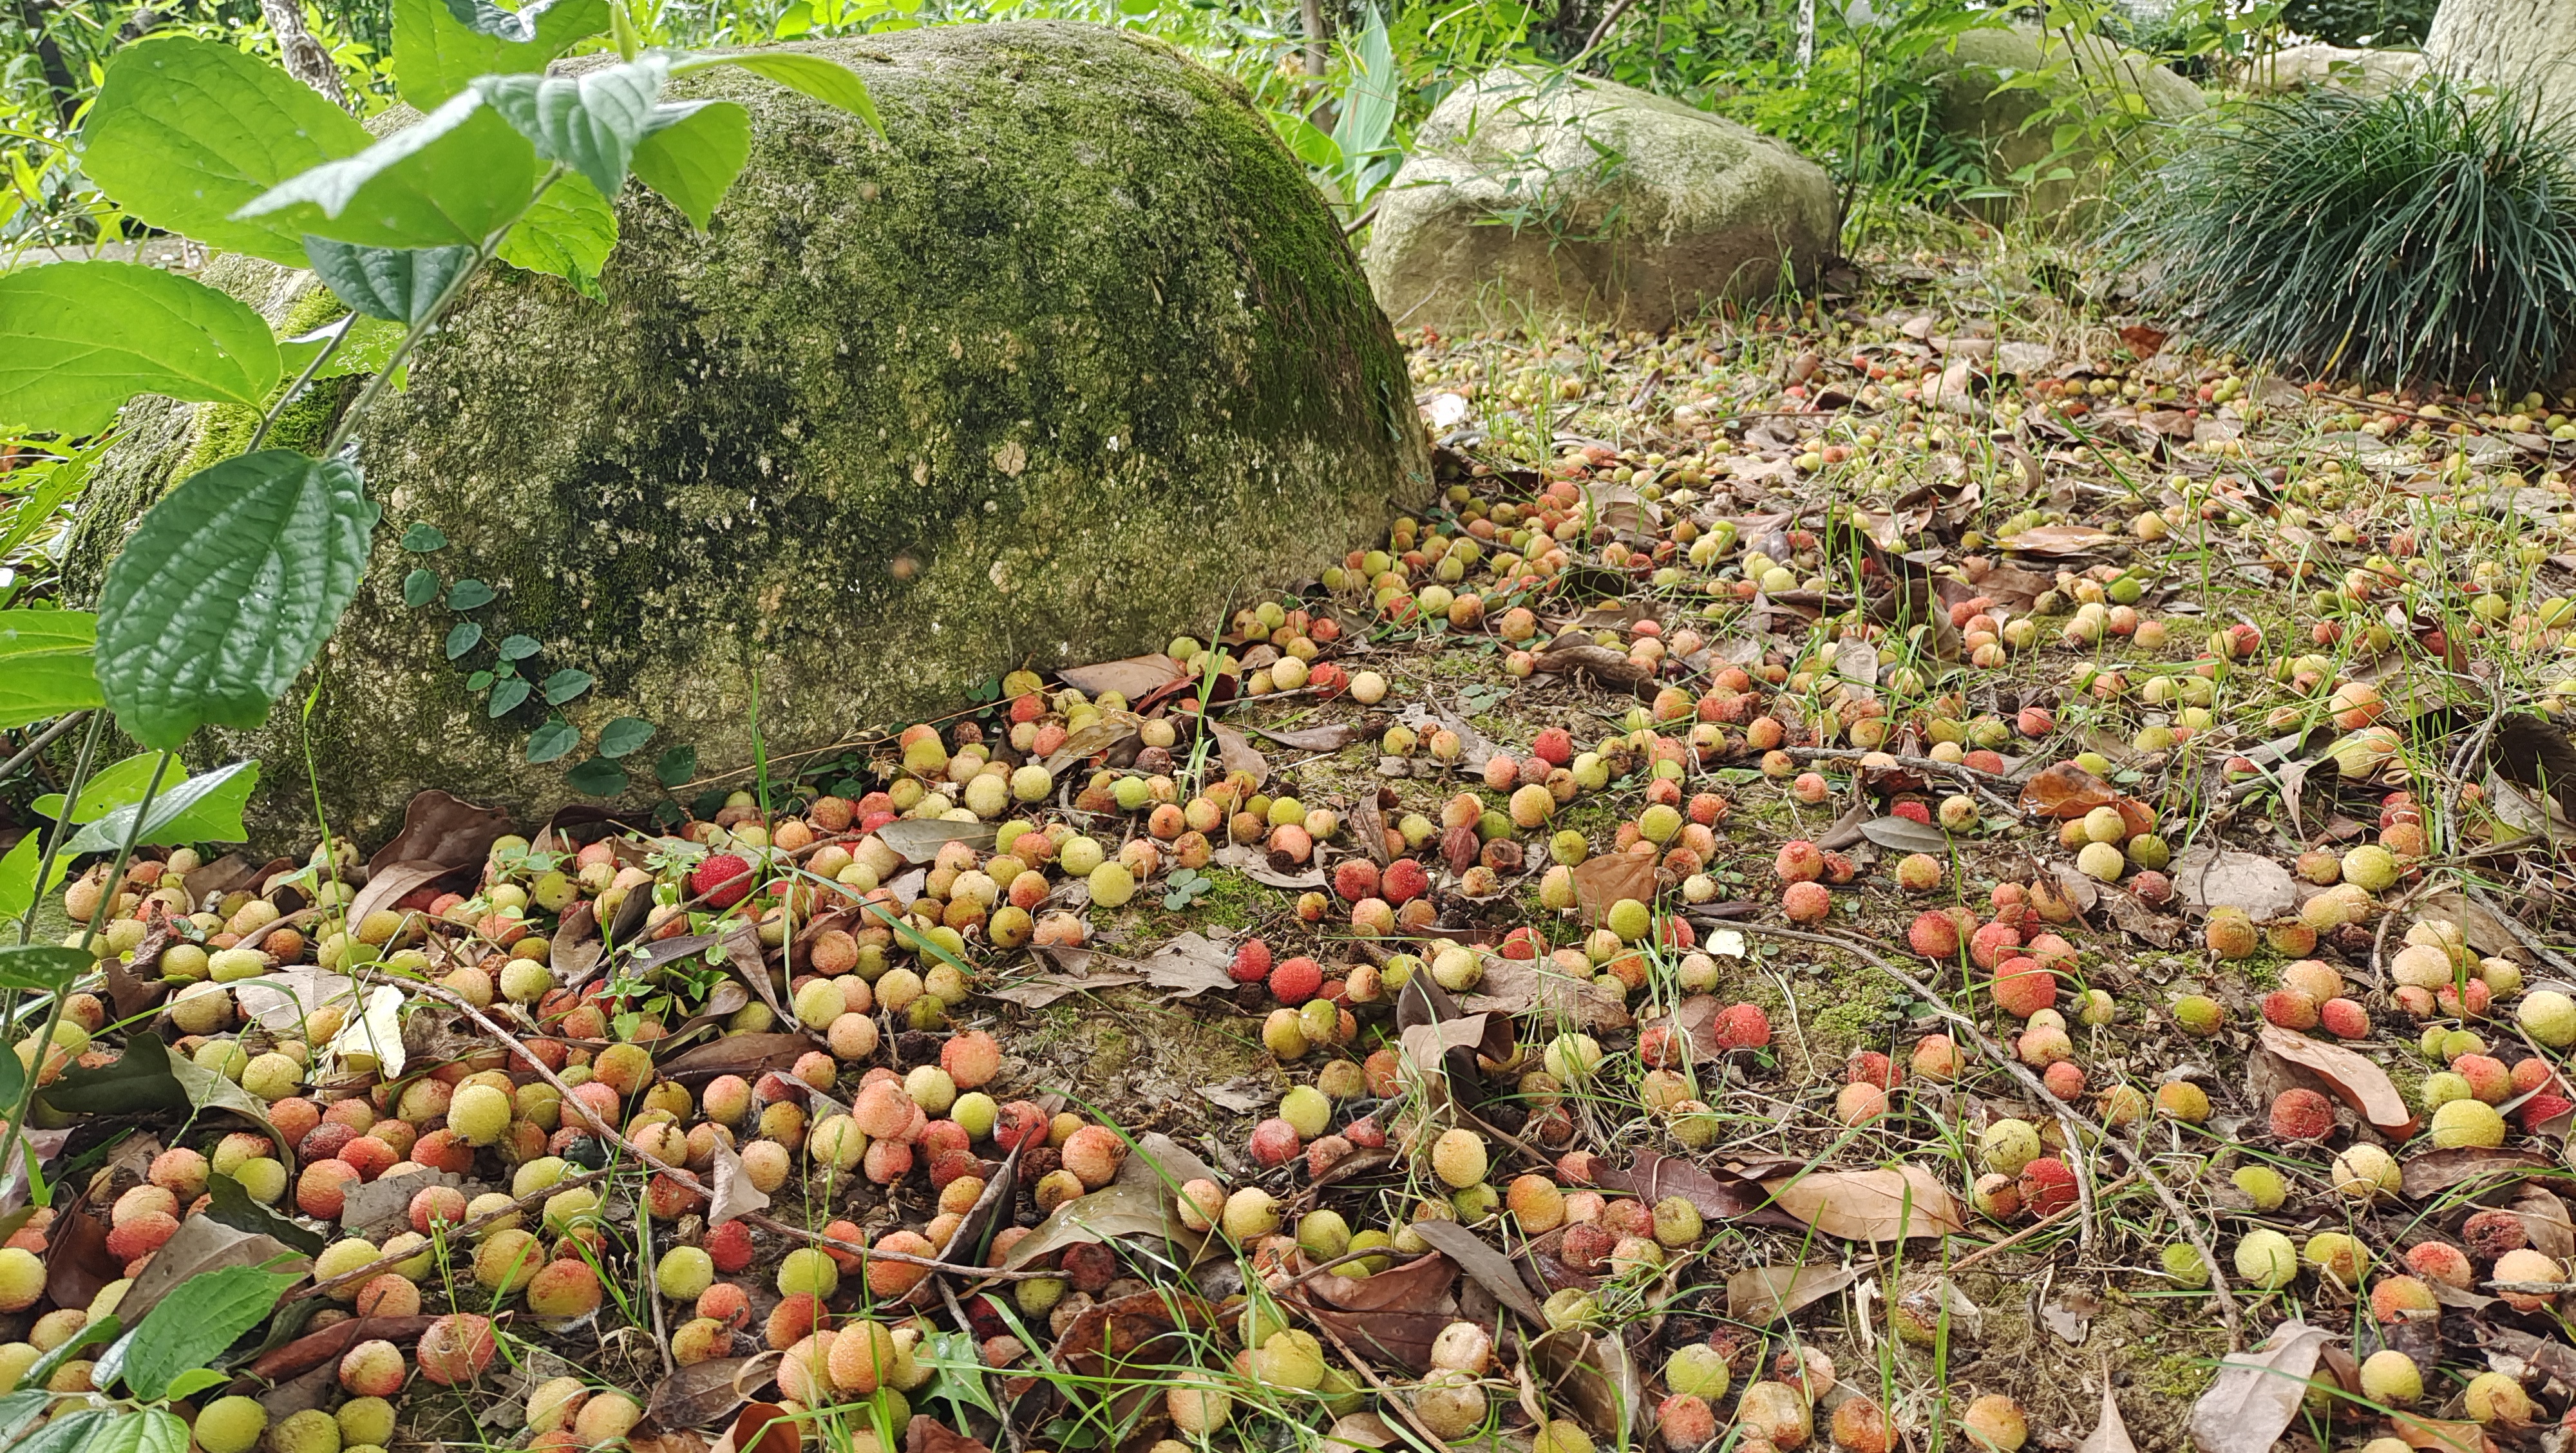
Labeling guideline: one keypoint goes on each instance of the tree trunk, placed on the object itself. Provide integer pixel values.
(305, 58)
(1311, 13)
(2527, 44)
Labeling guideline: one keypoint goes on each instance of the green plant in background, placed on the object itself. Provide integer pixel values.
(140, 1370)
(2381, 23)
(230, 585)
(2427, 233)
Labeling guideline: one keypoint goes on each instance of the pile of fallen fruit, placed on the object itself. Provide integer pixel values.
(1815, 946)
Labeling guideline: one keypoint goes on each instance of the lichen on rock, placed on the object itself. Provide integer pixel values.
(1068, 362)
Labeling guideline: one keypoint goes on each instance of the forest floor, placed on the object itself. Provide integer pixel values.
(1944, 834)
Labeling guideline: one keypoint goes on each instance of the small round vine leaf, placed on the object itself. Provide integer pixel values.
(420, 588)
(465, 637)
(505, 695)
(597, 777)
(676, 765)
(552, 740)
(518, 648)
(424, 537)
(467, 594)
(566, 684)
(480, 681)
(624, 736)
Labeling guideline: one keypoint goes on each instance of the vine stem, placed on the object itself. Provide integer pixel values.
(269, 420)
(18, 1159)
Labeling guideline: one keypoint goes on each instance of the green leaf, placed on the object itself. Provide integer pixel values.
(42, 968)
(116, 785)
(420, 588)
(397, 284)
(77, 339)
(45, 665)
(519, 648)
(196, 1380)
(18, 893)
(371, 346)
(598, 777)
(230, 1205)
(692, 154)
(422, 537)
(185, 131)
(480, 681)
(552, 740)
(676, 765)
(590, 122)
(206, 808)
(827, 81)
(65, 1434)
(199, 1319)
(90, 1335)
(468, 594)
(465, 637)
(624, 736)
(450, 179)
(227, 590)
(566, 684)
(18, 1408)
(568, 234)
(437, 55)
(145, 1079)
(505, 695)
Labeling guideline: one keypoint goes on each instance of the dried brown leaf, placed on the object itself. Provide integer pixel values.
(1761, 1294)
(747, 1055)
(438, 828)
(926, 1434)
(2066, 790)
(1652, 1176)
(1039, 990)
(2250, 1404)
(733, 1193)
(1881, 1204)
(702, 1392)
(1190, 965)
(201, 1245)
(1609, 879)
(390, 884)
(2110, 1434)
(2207, 878)
(2431, 1172)
(1419, 1285)
(1134, 677)
(2351, 1077)
(766, 1428)
(326, 1346)
(1481, 1260)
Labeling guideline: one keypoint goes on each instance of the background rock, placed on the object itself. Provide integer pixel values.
(1560, 202)
(1985, 99)
(1069, 363)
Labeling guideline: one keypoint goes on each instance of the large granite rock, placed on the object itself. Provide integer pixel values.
(2005, 88)
(1068, 363)
(1562, 202)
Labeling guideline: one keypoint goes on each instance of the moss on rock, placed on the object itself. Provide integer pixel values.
(1068, 362)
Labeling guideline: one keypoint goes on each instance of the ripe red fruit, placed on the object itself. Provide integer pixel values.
(1990, 944)
(1742, 1026)
(2290, 1009)
(2344, 1019)
(1554, 746)
(1355, 879)
(1869, 1067)
(1251, 962)
(1935, 935)
(1274, 1142)
(2542, 1108)
(1403, 881)
(2022, 988)
(456, 1348)
(2302, 1114)
(1806, 902)
(730, 1247)
(2047, 1186)
(1800, 861)
(1296, 980)
(722, 879)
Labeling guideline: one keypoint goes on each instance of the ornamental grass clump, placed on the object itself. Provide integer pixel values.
(2426, 234)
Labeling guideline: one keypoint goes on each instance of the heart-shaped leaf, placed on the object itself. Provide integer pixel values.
(692, 154)
(45, 666)
(506, 694)
(590, 122)
(420, 588)
(423, 537)
(624, 736)
(77, 339)
(552, 740)
(566, 684)
(597, 777)
(463, 638)
(469, 594)
(227, 590)
(397, 284)
(451, 179)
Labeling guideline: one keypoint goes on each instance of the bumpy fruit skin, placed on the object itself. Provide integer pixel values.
(2366, 1173)
(2302, 1114)
(372, 1369)
(2198, 1014)
(2338, 1258)
(1698, 1369)
(1458, 1157)
(2549, 1017)
(22, 1279)
(2008, 1145)
(456, 1348)
(722, 879)
(1995, 1421)
(2493, 1397)
(2182, 1262)
(2468, 1123)
(230, 1425)
(2266, 1259)
(478, 1114)
(2047, 1186)
(309, 1431)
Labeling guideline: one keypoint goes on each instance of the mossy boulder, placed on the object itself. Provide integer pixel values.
(2006, 88)
(1069, 362)
(1562, 201)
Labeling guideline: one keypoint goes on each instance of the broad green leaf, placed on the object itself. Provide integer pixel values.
(693, 153)
(42, 968)
(45, 667)
(199, 1319)
(552, 740)
(47, 487)
(227, 590)
(1313, 144)
(422, 537)
(598, 777)
(18, 891)
(90, 1335)
(232, 1206)
(590, 122)
(420, 588)
(437, 55)
(118, 785)
(206, 808)
(506, 695)
(397, 284)
(77, 339)
(566, 684)
(65, 1434)
(518, 648)
(371, 346)
(465, 637)
(468, 594)
(450, 179)
(145, 1078)
(185, 131)
(568, 234)
(194, 1381)
(827, 81)
(18, 1408)
(625, 736)
(676, 765)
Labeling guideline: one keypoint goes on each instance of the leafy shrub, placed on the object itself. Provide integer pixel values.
(2361, 22)
(2427, 233)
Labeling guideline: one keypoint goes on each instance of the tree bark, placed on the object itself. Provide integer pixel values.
(305, 58)
(2529, 45)
(1311, 12)
(49, 59)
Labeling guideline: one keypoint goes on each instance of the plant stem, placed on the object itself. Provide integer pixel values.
(62, 829)
(89, 935)
(269, 420)
(43, 740)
